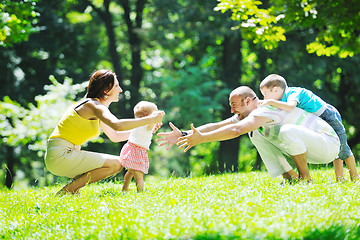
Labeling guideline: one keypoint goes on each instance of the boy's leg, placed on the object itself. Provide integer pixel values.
(339, 170)
(127, 179)
(350, 163)
(333, 117)
(139, 179)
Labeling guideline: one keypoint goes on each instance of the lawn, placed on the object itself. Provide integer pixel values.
(229, 206)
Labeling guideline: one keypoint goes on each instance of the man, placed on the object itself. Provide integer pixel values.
(274, 132)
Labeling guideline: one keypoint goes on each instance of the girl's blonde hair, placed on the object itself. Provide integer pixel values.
(144, 108)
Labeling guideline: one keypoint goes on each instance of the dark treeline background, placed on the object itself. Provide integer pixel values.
(184, 55)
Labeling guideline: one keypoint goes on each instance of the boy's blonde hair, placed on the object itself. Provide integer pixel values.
(144, 108)
(273, 80)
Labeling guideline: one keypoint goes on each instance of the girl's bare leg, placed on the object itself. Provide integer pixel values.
(110, 167)
(127, 179)
(139, 179)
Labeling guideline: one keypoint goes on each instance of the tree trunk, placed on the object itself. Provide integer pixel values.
(106, 17)
(137, 71)
(115, 58)
(10, 160)
(262, 56)
(229, 150)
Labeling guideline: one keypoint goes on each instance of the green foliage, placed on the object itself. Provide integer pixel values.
(168, 163)
(203, 159)
(229, 206)
(182, 43)
(28, 128)
(16, 18)
(33, 125)
(256, 24)
(334, 23)
(193, 94)
(247, 155)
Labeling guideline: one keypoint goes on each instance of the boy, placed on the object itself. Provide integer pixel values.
(276, 93)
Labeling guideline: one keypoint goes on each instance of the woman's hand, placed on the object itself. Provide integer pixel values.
(157, 116)
(169, 138)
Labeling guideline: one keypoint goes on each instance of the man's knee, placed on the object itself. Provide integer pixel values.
(287, 133)
(290, 137)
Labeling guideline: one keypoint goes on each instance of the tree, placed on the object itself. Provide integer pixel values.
(27, 129)
(333, 24)
(133, 38)
(103, 11)
(56, 49)
(194, 32)
(16, 18)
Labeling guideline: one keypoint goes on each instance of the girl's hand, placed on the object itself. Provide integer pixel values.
(157, 127)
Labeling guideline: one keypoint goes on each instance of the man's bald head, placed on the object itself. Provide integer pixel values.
(243, 92)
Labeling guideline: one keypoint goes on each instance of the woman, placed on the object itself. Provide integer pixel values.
(82, 122)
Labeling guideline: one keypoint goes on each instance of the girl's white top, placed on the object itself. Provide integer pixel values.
(141, 137)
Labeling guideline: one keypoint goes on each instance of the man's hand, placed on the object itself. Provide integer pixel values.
(169, 138)
(190, 140)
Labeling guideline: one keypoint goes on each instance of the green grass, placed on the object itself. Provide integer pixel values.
(230, 206)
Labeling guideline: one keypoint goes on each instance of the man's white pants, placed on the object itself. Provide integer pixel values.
(294, 140)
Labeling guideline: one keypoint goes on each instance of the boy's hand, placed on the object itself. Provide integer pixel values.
(265, 102)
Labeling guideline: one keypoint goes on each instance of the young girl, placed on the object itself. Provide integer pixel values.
(134, 155)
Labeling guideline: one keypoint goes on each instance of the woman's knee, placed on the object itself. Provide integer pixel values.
(114, 163)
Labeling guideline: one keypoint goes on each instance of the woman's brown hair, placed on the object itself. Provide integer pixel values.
(100, 83)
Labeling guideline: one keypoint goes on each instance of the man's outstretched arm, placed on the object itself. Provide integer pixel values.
(171, 138)
(226, 132)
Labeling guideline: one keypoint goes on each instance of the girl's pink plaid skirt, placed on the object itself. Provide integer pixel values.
(134, 157)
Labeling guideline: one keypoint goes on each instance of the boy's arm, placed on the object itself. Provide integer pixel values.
(287, 106)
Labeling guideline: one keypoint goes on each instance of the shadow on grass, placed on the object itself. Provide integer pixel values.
(333, 232)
